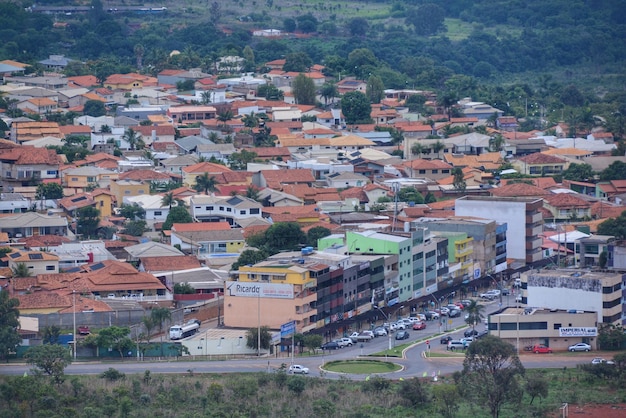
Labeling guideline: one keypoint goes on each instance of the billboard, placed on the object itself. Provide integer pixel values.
(578, 332)
(260, 290)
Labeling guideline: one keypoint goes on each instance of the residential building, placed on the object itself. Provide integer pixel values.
(14, 203)
(128, 188)
(522, 216)
(190, 114)
(206, 208)
(152, 204)
(87, 176)
(576, 290)
(74, 254)
(540, 164)
(190, 173)
(567, 206)
(32, 223)
(554, 328)
(206, 242)
(28, 166)
(37, 262)
(591, 248)
(616, 255)
(432, 169)
(72, 204)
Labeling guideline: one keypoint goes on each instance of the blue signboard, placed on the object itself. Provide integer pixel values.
(287, 329)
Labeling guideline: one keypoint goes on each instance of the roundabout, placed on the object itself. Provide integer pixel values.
(361, 366)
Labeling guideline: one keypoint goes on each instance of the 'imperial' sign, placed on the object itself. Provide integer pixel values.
(578, 332)
(260, 290)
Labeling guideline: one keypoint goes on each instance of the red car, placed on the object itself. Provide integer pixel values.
(419, 325)
(540, 348)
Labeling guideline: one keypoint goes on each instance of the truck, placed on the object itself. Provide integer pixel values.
(178, 332)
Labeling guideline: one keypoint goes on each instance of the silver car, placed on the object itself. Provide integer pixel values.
(580, 347)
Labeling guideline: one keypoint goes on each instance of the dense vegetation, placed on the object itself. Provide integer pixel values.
(557, 60)
(278, 394)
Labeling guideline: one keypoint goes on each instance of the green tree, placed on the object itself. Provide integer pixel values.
(312, 341)
(358, 26)
(51, 334)
(427, 19)
(87, 221)
(459, 179)
(131, 137)
(328, 92)
(50, 359)
(614, 226)
(356, 107)
(438, 146)
(158, 317)
(9, 324)
(248, 55)
(611, 337)
(168, 200)
(205, 183)
(270, 92)
(430, 198)
(496, 143)
(284, 236)
(133, 212)
(297, 62)
(21, 270)
(490, 374)
(375, 89)
(184, 289)
(94, 108)
(116, 338)
(615, 171)
(446, 400)
(414, 392)
(240, 160)
(536, 386)
(135, 228)
(249, 257)
(49, 191)
(252, 340)
(315, 233)
(409, 194)
(579, 172)
(177, 215)
(303, 89)
(474, 312)
(415, 103)
(417, 149)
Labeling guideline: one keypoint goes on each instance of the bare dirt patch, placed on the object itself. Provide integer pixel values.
(594, 410)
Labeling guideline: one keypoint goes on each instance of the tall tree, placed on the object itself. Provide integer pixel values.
(159, 316)
(205, 183)
(474, 312)
(578, 172)
(329, 91)
(459, 179)
(417, 149)
(9, 324)
(438, 147)
(87, 221)
(375, 89)
(252, 340)
(297, 62)
(303, 89)
(178, 215)
(490, 371)
(21, 270)
(168, 200)
(614, 226)
(94, 108)
(427, 19)
(117, 338)
(356, 107)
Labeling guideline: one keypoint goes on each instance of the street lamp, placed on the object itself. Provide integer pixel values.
(388, 321)
(74, 320)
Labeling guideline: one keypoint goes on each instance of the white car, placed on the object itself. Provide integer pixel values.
(600, 360)
(579, 347)
(400, 325)
(390, 327)
(298, 369)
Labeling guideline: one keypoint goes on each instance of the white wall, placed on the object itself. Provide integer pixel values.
(562, 298)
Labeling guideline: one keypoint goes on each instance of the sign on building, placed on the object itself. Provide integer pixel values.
(578, 332)
(260, 290)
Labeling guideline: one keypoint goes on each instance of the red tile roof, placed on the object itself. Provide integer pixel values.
(183, 262)
(541, 158)
(299, 175)
(200, 226)
(518, 189)
(206, 167)
(144, 175)
(30, 155)
(566, 200)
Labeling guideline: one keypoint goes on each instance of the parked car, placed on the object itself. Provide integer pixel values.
(344, 342)
(400, 325)
(402, 335)
(444, 310)
(482, 334)
(298, 369)
(467, 341)
(380, 331)
(354, 337)
(419, 316)
(331, 345)
(454, 313)
(540, 348)
(430, 315)
(390, 326)
(456, 345)
(600, 360)
(506, 292)
(470, 333)
(491, 294)
(580, 347)
(445, 339)
(466, 302)
(419, 325)
(518, 298)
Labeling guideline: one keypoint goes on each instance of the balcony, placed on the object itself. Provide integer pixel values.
(532, 218)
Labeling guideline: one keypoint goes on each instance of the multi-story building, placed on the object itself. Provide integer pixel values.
(522, 216)
(272, 293)
(224, 208)
(616, 255)
(557, 329)
(577, 290)
(430, 262)
(591, 248)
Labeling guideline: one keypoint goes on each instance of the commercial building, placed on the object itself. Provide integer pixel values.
(555, 328)
(576, 290)
(522, 216)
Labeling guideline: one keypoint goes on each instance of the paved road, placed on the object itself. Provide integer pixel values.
(413, 362)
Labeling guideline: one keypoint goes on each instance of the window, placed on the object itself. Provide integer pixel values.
(229, 209)
(74, 178)
(157, 213)
(126, 191)
(222, 208)
(254, 211)
(209, 208)
(243, 212)
(526, 326)
(435, 172)
(51, 172)
(557, 326)
(49, 268)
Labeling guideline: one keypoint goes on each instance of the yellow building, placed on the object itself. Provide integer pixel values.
(274, 293)
(128, 188)
(104, 201)
(82, 177)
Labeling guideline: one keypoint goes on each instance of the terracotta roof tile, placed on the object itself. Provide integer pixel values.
(566, 200)
(176, 263)
(518, 189)
(541, 158)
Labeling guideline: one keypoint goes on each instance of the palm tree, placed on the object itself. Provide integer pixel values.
(131, 137)
(438, 146)
(329, 91)
(250, 121)
(21, 270)
(206, 97)
(158, 316)
(204, 183)
(474, 314)
(417, 149)
(496, 143)
(168, 199)
(252, 192)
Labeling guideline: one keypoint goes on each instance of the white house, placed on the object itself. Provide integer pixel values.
(152, 204)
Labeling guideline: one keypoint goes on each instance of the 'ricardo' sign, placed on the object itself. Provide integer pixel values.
(260, 290)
